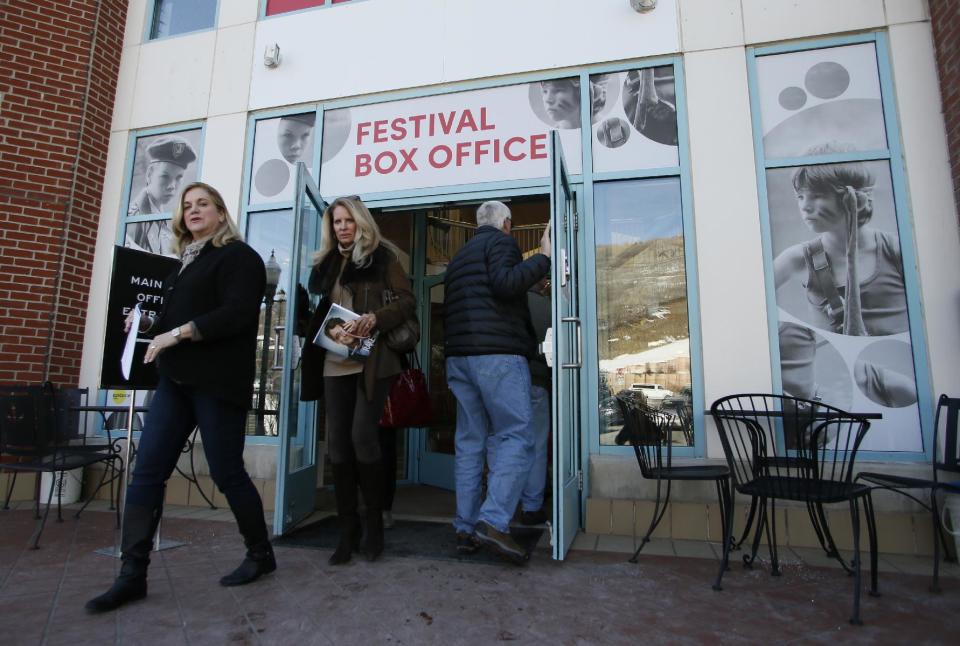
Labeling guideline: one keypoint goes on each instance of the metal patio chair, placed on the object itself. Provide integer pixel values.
(785, 448)
(41, 431)
(649, 431)
(946, 457)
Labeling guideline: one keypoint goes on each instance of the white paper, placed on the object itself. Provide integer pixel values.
(126, 359)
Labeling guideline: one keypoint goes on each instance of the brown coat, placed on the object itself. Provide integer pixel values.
(366, 285)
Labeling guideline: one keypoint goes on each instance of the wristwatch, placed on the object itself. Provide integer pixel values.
(175, 333)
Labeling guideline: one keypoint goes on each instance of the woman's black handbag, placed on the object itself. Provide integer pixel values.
(408, 404)
(404, 337)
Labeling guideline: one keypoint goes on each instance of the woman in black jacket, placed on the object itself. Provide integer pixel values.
(358, 269)
(205, 349)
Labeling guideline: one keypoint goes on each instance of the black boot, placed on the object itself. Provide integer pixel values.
(345, 491)
(139, 525)
(247, 508)
(259, 561)
(371, 484)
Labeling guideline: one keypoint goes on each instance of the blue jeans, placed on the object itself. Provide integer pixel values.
(175, 411)
(493, 413)
(532, 497)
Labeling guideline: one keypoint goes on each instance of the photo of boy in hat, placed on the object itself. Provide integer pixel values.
(161, 165)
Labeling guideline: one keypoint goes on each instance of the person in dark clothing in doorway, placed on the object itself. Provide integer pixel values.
(488, 339)
(206, 356)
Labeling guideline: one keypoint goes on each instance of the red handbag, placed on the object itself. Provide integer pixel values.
(408, 403)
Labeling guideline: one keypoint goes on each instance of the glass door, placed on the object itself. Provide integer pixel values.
(567, 356)
(297, 464)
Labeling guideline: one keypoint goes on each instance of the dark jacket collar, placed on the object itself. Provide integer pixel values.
(324, 275)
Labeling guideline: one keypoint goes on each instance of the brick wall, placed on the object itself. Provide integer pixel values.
(58, 80)
(945, 18)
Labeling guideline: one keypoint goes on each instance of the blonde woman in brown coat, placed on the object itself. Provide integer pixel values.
(355, 268)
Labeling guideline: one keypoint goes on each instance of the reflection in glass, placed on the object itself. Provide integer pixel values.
(271, 232)
(172, 17)
(642, 324)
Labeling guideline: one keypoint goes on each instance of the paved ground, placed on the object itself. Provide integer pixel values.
(595, 597)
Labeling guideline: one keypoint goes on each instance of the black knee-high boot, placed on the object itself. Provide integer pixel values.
(371, 484)
(139, 525)
(345, 492)
(247, 508)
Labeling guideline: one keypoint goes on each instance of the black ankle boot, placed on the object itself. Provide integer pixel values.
(139, 524)
(349, 541)
(345, 492)
(259, 561)
(371, 484)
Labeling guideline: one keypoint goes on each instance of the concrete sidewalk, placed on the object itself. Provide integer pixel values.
(594, 597)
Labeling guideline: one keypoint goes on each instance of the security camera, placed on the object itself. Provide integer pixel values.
(643, 6)
(271, 55)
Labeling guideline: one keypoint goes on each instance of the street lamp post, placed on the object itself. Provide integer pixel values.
(273, 279)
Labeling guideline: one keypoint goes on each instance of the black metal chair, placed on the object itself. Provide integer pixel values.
(785, 448)
(649, 432)
(946, 457)
(42, 432)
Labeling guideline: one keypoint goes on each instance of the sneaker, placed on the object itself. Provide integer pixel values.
(467, 543)
(501, 543)
(538, 517)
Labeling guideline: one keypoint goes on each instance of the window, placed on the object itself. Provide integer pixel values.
(275, 7)
(643, 330)
(162, 164)
(174, 17)
(836, 237)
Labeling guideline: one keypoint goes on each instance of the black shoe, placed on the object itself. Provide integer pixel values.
(123, 591)
(538, 517)
(501, 543)
(467, 543)
(259, 561)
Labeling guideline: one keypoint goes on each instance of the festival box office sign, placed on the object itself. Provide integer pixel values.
(490, 135)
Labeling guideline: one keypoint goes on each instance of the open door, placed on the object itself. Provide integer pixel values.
(567, 356)
(297, 464)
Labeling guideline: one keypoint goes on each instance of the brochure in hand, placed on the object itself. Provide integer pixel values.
(334, 338)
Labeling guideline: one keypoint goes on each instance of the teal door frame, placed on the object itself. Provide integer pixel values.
(297, 459)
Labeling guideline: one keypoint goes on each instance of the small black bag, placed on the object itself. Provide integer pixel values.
(404, 337)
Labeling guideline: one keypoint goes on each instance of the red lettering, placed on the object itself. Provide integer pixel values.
(362, 168)
(362, 128)
(390, 159)
(380, 131)
(538, 146)
(417, 119)
(480, 149)
(466, 121)
(463, 152)
(506, 149)
(483, 121)
(407, 160)
(435, 154)
(399, 129)
(446, 124)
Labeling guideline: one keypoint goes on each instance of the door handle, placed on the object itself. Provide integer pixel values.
(579, 362)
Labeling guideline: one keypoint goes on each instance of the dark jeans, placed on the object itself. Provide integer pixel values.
(352, 420)
(174, 412)
(388, 458)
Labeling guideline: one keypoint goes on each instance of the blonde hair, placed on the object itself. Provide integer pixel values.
(228, 231)
(366, 239)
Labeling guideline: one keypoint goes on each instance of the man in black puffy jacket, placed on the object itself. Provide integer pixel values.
(489, 338)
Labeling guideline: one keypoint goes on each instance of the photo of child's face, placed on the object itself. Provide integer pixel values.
(821, 210)
(293, 139)
(561, 100)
